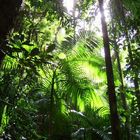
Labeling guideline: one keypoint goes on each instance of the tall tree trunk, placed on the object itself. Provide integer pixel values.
(122, 89)
(123, 97)
(135, 78)
(74, 41)
(120, 16)
(115, 123)
(8, 12)
(74, 20)
(50, 135)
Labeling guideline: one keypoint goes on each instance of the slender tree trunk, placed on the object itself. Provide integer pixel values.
(74, 41)
(135, 79)
(51, 107)
(117, 55)
(122, 93)
(120, 16)
(74, 20)
(115, 123)
(122, 89)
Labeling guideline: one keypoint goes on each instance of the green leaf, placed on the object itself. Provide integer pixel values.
(34, 52)
(50, 48)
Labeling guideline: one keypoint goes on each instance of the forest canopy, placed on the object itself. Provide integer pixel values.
(69, 69)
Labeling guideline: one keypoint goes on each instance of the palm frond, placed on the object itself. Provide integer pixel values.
(86, 132)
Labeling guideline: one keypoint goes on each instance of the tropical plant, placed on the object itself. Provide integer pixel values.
(54, 80)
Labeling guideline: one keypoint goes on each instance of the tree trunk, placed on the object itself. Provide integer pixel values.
(135, 79)
(50, 133)
(120, 16)
(122, 89)
(115, 123)
(122, 93)
(74, 20)
(8, 12)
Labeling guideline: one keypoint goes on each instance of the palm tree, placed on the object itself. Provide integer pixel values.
(58, 90)
(71, 88)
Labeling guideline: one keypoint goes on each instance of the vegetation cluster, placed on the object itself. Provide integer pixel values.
(55, 81)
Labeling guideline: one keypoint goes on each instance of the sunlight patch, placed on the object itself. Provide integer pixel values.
(69, 5)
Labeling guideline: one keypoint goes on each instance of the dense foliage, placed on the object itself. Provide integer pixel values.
(54, 80)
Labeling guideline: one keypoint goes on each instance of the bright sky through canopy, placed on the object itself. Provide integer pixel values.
(69, 5)
(96, 22)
